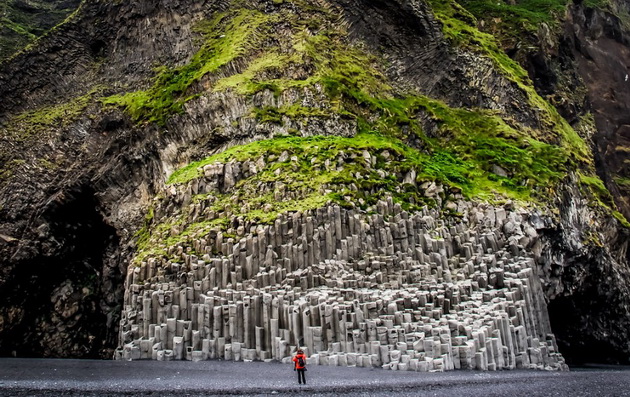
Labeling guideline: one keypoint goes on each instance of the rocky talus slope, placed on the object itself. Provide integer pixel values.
(376, 181)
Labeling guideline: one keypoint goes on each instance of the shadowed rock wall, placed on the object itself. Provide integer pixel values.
(602, 50)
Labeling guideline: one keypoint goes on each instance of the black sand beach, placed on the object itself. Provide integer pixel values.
(48, 377)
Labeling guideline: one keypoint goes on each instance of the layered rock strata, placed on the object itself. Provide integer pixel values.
(385, 287)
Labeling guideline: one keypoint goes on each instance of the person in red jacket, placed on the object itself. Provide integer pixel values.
(300, 366)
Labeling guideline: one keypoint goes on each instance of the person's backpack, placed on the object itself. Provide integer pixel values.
(300, 361)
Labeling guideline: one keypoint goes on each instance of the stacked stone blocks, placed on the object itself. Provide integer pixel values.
(392, 289)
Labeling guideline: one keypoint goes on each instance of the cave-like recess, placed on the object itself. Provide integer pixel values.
(68, 273)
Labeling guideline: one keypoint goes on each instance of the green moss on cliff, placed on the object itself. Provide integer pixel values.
(476, 150)
(309, 148)
(17, 29)
(270, 114)
(9, 168)
(622, 219)
(489, 142)
(303, 173)
(23, 22)
(38, 122)
(622, 181)
(518, 18)
(593, 187)
(596, 187)
(250, 81)
(467, 163)
(460, 27)
(228, 36)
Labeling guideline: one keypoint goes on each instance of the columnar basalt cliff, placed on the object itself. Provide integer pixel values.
(382, 287)
(378, 182)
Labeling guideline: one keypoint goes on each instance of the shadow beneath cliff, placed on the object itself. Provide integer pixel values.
(58, 302)
(580, 334)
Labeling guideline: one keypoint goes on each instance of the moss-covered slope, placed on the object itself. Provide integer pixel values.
(23, 21)
(462, 149)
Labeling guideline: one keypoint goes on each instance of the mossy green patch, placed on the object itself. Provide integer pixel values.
(472, 145)
(601, 4)
(304, 173)
(47, 164)
(308, 147)
(162, 237)
(250, 81)
(37, 122)
(227, 37)
(597, 188)
(17, 28)
(594, 188)
(518, 18)
(458, 25)
(483, 137)
(9, 168)
(622, 219)
(622, 181)
(467, 164)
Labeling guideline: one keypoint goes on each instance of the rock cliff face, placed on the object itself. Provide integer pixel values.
(602, 51)
(162, 163)
(23, 21)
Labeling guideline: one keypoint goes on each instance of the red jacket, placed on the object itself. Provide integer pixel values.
(295, 360)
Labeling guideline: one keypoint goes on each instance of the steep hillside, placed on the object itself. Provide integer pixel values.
(146, 145)
(578, 60)
(21, 21)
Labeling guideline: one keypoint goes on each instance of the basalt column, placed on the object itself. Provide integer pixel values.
(393, 289)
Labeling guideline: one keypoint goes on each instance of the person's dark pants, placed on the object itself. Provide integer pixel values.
(301, 376)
